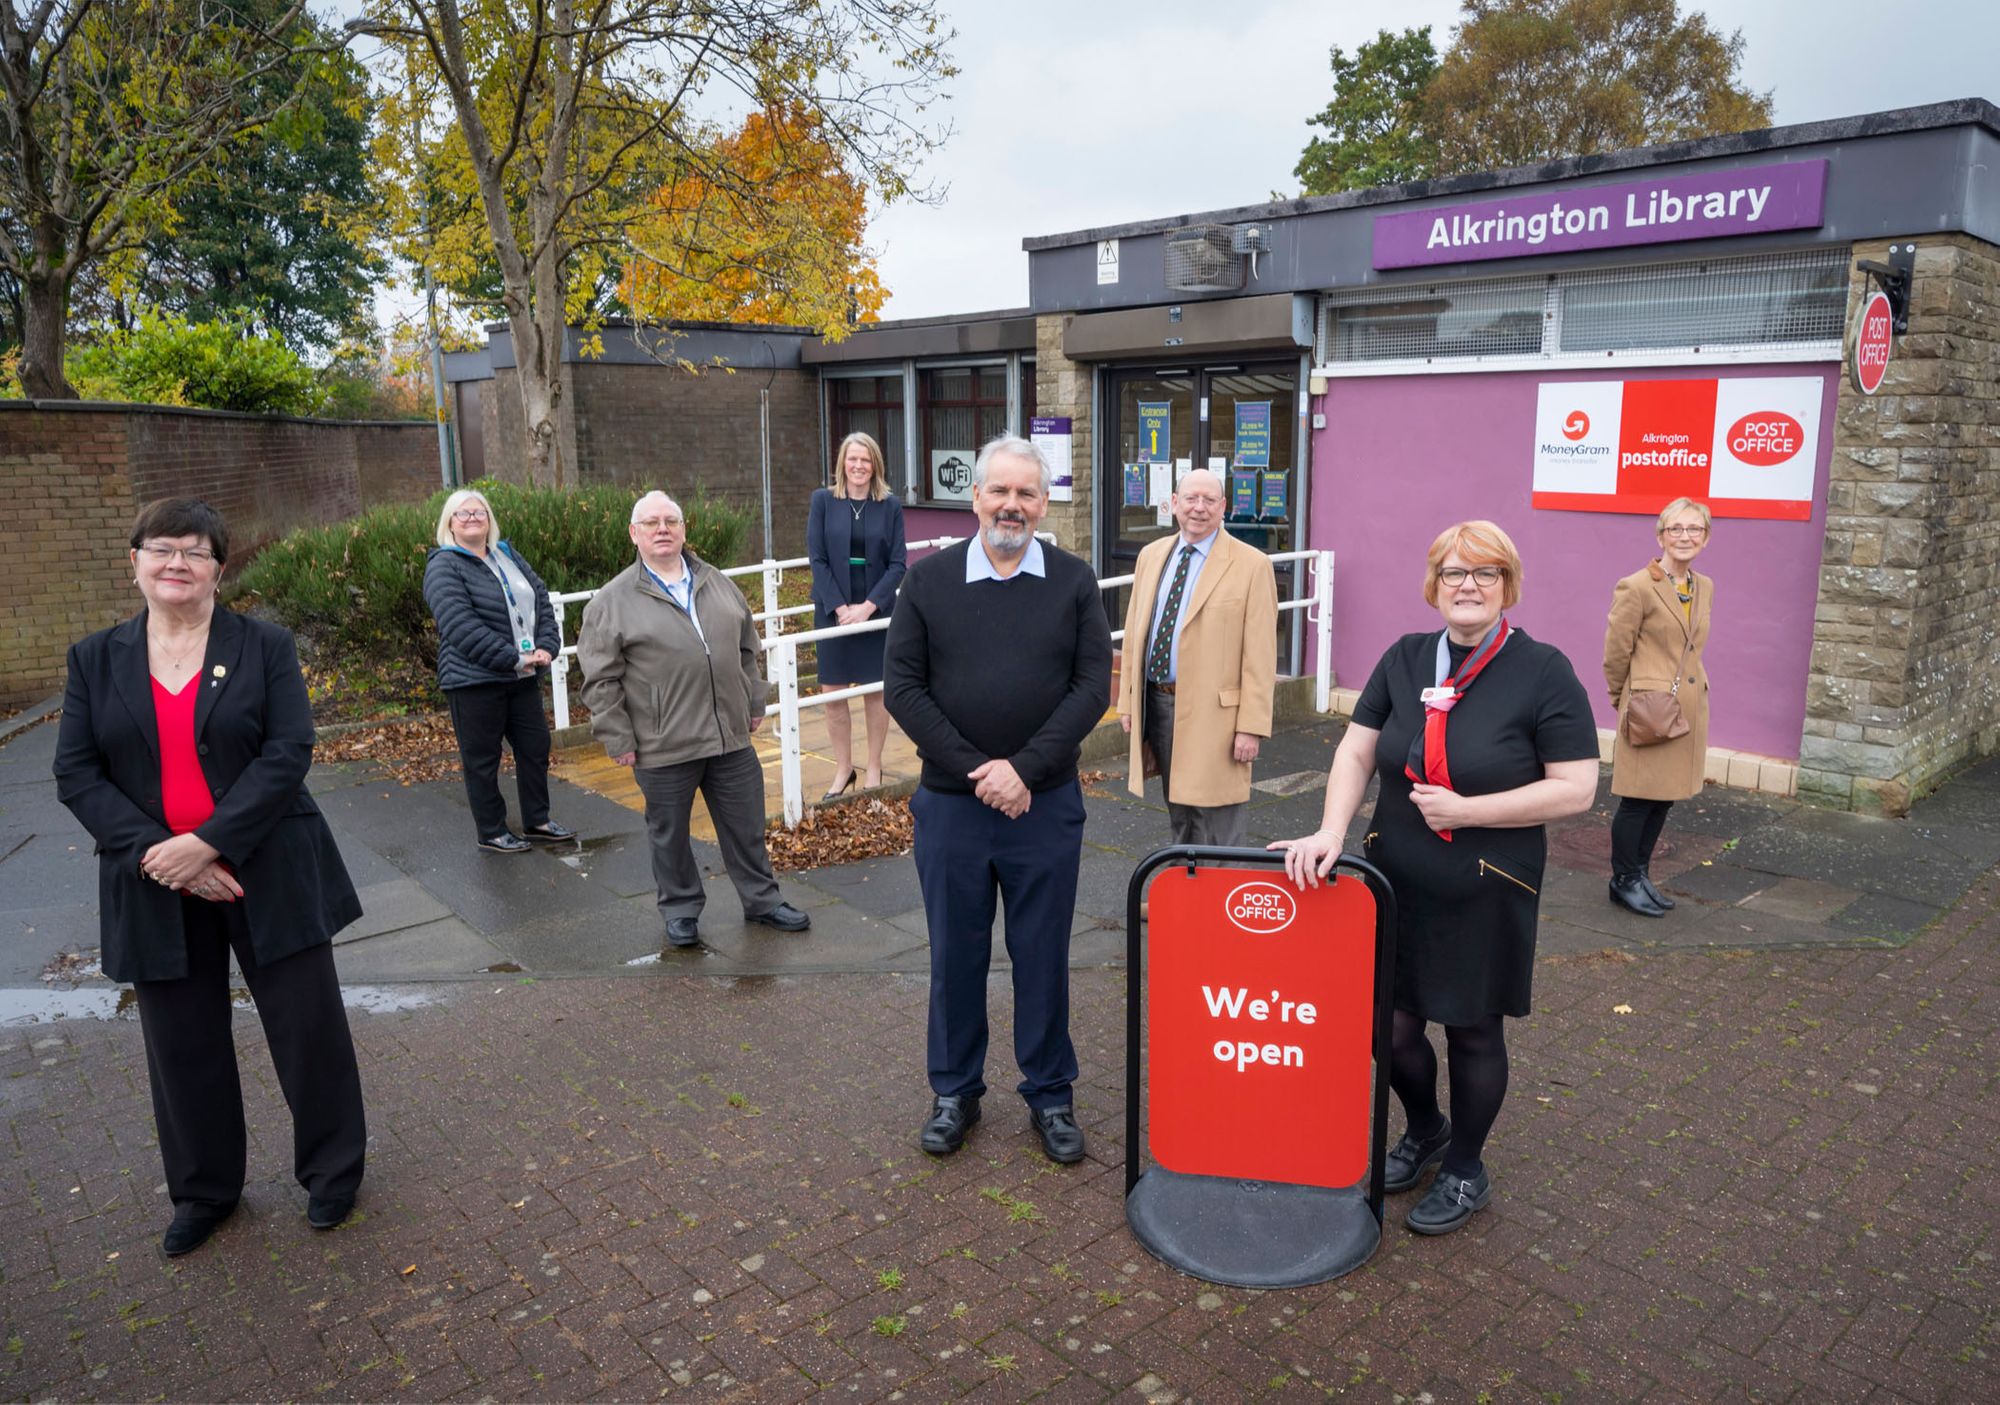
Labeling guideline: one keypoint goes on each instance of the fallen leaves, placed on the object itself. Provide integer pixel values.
(1621, 1009)
(838, 834)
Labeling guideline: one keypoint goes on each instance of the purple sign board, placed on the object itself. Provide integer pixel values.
(1711, 204)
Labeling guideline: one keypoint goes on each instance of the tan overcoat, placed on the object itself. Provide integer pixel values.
(1643, 644)
(1228, 668)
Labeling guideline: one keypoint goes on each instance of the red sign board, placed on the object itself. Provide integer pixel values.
(1873, 333)
(1260, 1010)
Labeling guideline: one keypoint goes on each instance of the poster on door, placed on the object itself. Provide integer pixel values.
(1748, 447)
(1156, 431)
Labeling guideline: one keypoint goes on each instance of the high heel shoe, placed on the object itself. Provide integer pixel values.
(838, 790)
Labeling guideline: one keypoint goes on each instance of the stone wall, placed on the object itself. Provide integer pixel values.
(1063, 387)
(74, 475)
(1906, 634)
(690, 432)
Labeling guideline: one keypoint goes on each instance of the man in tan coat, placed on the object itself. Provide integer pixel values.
(1200, 665)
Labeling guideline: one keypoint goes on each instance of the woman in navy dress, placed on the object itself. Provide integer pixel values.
(1481, 736)
(854, 538)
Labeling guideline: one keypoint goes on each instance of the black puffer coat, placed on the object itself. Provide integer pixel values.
(475, 637)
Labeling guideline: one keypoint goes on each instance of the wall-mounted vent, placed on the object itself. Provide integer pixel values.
(1204, 258)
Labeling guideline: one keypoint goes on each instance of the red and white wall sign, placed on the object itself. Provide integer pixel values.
(1874, 335)
(1746, 447)
(1260, 1007)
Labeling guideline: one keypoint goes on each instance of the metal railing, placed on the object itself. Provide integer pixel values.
(1314, 598)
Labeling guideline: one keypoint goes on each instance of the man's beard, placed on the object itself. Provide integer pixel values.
(1009, 536)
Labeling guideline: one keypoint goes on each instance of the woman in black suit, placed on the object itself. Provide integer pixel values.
(186, 736)
(854, 538)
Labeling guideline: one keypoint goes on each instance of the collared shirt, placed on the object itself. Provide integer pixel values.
(680, 592)
(1172, 564)
(979, 566)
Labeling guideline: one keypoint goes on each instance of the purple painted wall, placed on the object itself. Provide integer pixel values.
(930, 523)
(1404, 457)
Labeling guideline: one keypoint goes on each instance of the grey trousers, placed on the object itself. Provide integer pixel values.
(732, 785)
(1220, 825)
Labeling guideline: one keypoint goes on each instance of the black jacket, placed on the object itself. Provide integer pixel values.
(476, 641)
(830, 542)
(254, 738)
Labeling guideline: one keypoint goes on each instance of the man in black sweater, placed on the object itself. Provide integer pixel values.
(998, 665)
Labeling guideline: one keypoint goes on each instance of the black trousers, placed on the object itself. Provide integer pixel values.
(191, 1060)
(1635, 829)
(482, 715)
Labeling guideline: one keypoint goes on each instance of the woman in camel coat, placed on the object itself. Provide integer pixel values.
(1657, 632)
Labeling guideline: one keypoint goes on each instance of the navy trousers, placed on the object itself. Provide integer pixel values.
(968, 853)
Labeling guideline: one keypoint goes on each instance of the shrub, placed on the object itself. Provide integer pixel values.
(221, 365)
(355, 589)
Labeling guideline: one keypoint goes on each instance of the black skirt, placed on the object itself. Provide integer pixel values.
(853, 658)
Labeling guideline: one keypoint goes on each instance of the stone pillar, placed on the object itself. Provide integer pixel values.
(1903, 685)
(1062, 387)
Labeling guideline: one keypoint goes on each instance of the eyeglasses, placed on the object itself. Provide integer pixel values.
(1691, 533)
(1486, 577)
(469, 514)
(193, 555)
(653, 524)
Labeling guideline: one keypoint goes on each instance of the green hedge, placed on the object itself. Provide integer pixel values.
(355, 589)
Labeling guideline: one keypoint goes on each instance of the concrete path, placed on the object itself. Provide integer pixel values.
(1749, 1151)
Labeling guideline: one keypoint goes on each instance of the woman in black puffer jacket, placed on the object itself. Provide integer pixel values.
(496, 633)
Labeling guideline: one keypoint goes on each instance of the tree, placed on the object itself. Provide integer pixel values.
(567, 116)
(1374, 124)
(164, 359)
(107, 108)
(1528, 81)
(778, 242)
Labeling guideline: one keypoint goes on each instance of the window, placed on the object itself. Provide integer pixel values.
(1791, 304)
(871, 405)
(959, 409)
(1028, 411)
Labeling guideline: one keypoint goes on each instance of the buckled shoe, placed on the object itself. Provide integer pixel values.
(1450, 1202)
(1411, 1156)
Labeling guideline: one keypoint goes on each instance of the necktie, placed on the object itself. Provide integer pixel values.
(1162, 652)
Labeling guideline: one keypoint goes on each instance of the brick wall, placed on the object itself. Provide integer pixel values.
(1903, 687)
(73, 477)
(690, 432)
(1063, 387)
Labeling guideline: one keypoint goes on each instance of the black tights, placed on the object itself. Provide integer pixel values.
(1478, 1055)
(1635, 829)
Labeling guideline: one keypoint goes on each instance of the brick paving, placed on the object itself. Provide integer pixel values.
(1774, 1178)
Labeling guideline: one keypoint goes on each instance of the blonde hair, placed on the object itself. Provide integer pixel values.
(1676, 508)
(1477, 543)
(878, 483)
(454, 503)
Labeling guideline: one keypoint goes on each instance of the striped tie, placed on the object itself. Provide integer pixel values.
(1163, 638)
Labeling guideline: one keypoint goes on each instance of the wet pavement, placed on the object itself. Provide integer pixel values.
(1749, 1151)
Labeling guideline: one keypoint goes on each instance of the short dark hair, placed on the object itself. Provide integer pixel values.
(182, 517)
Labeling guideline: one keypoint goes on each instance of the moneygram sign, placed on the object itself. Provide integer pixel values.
(1707, 205)
(1748, 447)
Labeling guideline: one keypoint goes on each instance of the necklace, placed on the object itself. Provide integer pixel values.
(855, 508)
(175, 663)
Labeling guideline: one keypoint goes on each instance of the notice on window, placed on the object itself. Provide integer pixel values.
(1156, 431)
(1253, 433)
(1746, 446)
(1051, 434)
(1274, 502)
(1135, 485)
(1243, 493)
(951, 475)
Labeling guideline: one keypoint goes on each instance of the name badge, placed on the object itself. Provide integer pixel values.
(527, 646)
(1432, 697)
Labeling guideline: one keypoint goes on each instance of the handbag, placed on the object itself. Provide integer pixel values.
(1654, 716)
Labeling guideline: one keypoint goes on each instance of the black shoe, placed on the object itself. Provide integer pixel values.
(784, 917)
(506, 842)
(840, 789)
(1450, 1202)
(191, 1229)
(1062, 1139)
(950, 1120)
(1653, 892)
(1411, 1156)
(549, 833)
(683, 931)
(330, 1213)
(1628, 892)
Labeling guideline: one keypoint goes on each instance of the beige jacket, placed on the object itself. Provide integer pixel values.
(1228, 668)
(656, 687)
(1643, 643)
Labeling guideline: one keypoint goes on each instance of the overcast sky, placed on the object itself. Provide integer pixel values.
(1071, 115)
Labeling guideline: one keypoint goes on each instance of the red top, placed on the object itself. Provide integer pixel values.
(183, 788)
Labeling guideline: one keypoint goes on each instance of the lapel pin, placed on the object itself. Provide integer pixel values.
(220, 671)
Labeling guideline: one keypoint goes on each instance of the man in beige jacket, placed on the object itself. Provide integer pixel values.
(1200, 665)
(669, 655)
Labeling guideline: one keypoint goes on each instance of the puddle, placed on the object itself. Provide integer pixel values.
(26, 1006)
(503, 968)
(578, 854)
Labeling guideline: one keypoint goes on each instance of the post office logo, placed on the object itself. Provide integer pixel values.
(1262, 908)
(1765, 438)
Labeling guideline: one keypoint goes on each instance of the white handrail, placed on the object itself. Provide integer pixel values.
(1315, 597)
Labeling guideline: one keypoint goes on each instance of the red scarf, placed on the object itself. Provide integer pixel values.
(1427, 763)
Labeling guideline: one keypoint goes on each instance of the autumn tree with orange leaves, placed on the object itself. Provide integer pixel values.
(767, 229)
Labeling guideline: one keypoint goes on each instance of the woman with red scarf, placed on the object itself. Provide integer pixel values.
(1481, 736)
